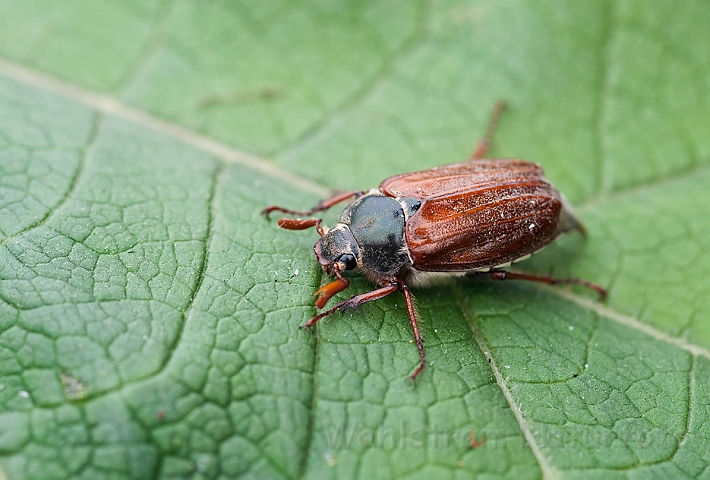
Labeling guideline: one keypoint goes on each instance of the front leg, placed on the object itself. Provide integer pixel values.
(322, 205)
(354, 302)
(357, 300)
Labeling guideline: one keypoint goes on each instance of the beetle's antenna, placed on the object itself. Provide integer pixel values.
(301, 224)
(327, 291)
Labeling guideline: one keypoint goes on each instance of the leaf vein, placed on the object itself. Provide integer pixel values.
(368, 85)
(630, 322)
(110, 105)
(72, 184)
(547, 470)
(603, 177)
(303, 468)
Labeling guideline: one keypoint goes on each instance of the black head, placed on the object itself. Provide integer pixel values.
(337, 249)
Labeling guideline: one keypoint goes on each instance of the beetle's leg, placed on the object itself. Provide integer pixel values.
(354, 302)
(357, 300)
(322, 205)
(485, 143)
(569, 219)
(504, 275)
(412, 311)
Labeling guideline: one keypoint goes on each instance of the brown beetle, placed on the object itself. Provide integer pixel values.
(475, 217)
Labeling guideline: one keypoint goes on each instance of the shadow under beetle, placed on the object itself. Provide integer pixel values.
(475, 217)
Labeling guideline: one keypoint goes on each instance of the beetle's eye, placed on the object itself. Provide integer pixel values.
(348, 260)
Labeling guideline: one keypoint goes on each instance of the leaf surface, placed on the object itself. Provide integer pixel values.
(149, 314)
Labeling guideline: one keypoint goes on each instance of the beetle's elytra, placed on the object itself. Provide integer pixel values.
(478, 216)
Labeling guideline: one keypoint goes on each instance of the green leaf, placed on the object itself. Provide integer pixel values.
(149, 314)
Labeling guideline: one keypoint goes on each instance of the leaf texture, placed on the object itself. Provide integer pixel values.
(149, 314)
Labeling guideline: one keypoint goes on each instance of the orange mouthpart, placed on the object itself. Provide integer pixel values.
(327, 291)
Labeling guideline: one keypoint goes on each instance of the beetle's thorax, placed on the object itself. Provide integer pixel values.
(377, 224)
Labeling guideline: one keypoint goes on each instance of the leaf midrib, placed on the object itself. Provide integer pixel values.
(110, 105)
(547, 470)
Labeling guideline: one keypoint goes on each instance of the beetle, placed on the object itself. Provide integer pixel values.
(475, 217)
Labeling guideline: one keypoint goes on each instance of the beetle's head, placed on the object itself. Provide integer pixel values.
(337, 250)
